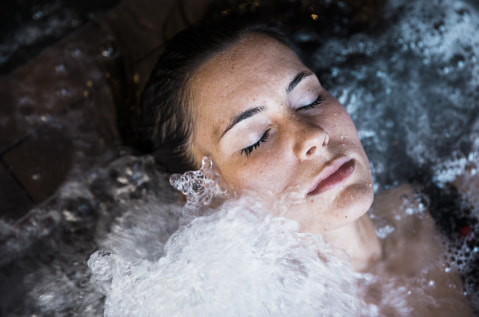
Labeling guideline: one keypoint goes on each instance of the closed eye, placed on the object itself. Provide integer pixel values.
(312, 105)
(248, 150)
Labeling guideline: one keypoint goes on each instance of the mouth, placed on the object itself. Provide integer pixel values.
(332, 175)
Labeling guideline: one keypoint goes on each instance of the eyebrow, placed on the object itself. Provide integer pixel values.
(251, 112)
(243, 115)
(296, 80)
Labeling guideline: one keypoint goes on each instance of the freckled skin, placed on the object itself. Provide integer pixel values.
(256, 71)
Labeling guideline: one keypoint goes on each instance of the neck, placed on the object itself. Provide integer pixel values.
(359, 240)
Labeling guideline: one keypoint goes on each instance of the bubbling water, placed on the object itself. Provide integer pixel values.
(232, 260)
(237, 261)
(412, 91)
(411, 88)
(200, 187)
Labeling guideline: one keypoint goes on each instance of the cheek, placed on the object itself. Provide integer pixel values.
(341, 121)
(264, 175)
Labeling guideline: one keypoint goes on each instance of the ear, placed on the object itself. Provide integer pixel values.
(182, 197)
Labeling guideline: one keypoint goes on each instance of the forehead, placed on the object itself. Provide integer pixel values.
(253, 69)
(253, 56)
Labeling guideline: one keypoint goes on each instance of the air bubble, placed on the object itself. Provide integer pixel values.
(108, 52)
(200, 187)
(38, 15)
(60, 68)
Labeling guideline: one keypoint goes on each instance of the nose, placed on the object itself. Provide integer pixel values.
(310, 139)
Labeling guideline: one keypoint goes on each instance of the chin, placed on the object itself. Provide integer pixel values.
(352, 204)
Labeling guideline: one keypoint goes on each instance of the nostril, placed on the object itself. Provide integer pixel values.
(311, 151)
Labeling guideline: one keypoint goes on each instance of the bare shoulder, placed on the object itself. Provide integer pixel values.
(396, 204)
(413, 254)
(393, 198)
(406, 228)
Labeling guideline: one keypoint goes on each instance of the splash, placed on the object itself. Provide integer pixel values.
(234, 259)
(412, 91)
(238, 261)
(200, 187)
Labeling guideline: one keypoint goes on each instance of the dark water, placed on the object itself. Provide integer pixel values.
(29, 26)
(409, 78)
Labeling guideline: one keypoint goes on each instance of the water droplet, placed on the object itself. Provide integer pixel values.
(38, 15)
(122, 180)
(60, 68)
(69, 216)
(107, 52)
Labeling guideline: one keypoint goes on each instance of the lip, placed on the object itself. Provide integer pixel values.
(332, 175)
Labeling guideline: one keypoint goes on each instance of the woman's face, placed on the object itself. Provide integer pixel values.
(274, 132)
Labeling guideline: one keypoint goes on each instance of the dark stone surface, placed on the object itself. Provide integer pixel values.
(27, 27)
(58, 114)
(48, 85)
(42, 161)
(14, 201)
(70, 107)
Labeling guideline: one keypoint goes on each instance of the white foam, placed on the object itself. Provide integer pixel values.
(237, 261)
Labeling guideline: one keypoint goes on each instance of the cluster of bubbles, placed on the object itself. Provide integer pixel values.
(199, 187)
(237, 261)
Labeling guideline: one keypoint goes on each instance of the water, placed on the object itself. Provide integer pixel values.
(28, 27)
(412, 91)
(232, 262)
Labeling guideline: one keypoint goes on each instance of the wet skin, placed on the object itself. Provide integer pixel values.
(273, 131)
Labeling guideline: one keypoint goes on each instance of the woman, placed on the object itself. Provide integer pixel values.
(242, 96)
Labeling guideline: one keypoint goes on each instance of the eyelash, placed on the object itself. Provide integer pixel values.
(248, 150)
(314, 104)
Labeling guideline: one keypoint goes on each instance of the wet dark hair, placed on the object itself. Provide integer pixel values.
(166, 122)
